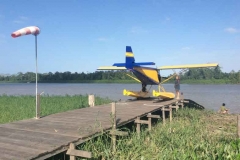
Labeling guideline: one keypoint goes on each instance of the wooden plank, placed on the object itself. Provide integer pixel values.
(79, 153)
(54, 132)
(165, 109)
(47, 130)
(118, 133)
(38, 138)
(175, 107)
(24, 151)
(141, 121)
(20, 142)
(10, 154)
(153, 116)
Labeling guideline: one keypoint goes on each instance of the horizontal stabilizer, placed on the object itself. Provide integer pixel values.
(188, 66)
(119, 64)
(111, 68)
(144, 63)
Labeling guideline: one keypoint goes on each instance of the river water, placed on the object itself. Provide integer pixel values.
(210, 96)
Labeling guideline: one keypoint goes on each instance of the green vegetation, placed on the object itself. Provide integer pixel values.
(15, 108)
(193, 134)
(202, 75)
(210, 76)
(205, 81)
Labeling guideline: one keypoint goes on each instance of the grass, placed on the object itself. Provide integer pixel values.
(13, 108)
(193, 134)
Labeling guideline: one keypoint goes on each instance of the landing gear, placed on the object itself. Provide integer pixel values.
(138, 94)
(144, 87)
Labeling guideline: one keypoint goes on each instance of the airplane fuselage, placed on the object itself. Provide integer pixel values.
(146, 75)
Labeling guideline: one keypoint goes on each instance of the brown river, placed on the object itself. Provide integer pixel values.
(210, 96)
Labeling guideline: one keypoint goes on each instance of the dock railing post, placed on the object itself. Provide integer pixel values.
(149, 122)
(91, 100)
(238, 125)
(182, 100)
(72, 147)
(38, 110)
(138, 126)
(114, 126)
(163, 114)
(73, 153)
(170, 113)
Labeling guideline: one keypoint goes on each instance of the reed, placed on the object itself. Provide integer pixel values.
(193, 134)
(13, 108)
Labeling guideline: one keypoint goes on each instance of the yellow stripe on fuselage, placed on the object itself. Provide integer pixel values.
(148, 72)
(129, 54)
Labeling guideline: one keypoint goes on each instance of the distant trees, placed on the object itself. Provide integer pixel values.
(191, 74)
(211, 74)
(65, 76)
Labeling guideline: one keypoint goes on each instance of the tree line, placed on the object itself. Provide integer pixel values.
(65, 76)
(214, 74)
(192, 75)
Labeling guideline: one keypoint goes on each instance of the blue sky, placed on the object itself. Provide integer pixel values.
(81, 35)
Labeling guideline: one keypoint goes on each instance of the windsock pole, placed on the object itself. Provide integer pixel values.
(37, 114)
(34, 30)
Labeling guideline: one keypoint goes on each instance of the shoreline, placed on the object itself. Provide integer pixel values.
(202, 82)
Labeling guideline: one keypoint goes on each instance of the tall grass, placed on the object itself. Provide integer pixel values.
(192, 135)
(13, 108)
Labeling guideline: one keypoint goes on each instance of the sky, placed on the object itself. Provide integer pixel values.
(81, 35)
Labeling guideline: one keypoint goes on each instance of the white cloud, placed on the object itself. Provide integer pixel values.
(231, 30)
(167, 19)
(186, 48)
(21, 19)
(18, 21)
(138, 30)
(102, 39)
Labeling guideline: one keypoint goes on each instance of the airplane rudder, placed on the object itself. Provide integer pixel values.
(128, 49)
(129, 57)
(129, 52)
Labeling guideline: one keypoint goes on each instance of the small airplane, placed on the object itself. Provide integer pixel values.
(148, 76)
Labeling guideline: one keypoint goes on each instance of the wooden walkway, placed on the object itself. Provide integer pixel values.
(47, 136)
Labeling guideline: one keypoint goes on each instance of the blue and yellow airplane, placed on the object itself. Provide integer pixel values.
(148, 76)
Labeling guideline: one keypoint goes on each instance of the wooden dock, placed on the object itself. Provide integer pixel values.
(42, 138)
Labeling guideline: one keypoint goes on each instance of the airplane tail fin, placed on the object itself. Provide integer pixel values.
(130, 60)
(129, 57)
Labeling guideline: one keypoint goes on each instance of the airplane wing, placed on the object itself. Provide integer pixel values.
(188, 66)
(111, 68)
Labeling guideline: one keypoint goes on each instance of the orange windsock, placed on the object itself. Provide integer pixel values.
(25, 31)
